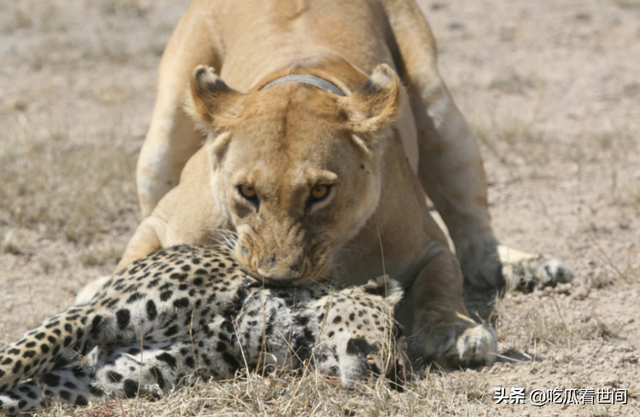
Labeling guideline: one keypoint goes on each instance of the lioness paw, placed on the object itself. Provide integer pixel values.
(475, 346)
(525, 271)
(462, 344)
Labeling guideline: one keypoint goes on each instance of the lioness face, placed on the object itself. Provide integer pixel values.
(294, 168)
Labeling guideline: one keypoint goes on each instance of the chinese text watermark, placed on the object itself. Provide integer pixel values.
(541, 397)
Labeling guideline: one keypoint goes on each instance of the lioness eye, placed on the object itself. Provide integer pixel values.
(247, 192)
(319, 192)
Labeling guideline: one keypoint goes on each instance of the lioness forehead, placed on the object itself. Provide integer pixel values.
(292, 124)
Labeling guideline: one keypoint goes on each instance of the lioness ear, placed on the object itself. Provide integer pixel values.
(376, 104)
(211, 100)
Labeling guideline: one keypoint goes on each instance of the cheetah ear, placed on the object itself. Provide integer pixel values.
(385, 287)
(211, 102)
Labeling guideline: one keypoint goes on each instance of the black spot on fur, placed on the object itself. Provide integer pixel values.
(51, 380)
(81, 400)
(231, 361)
(135, 297)
(155, 372)
(190, 362)
(95, 325)
(130, 388)
(181, 303)
(52, 324)
(17, 367)
(170, 360)
(115, 377)
(166, 295)
(301, 320)
(123, 317)
(171, 331)
(78, 372)
(29, 354)
(152, 312)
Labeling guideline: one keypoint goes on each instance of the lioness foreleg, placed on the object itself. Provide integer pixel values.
(450, 167)
(442, 331)
(172, 137)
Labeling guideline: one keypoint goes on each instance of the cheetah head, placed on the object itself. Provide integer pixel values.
(362, 336)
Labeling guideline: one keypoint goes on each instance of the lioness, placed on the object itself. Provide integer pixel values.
(325, 173)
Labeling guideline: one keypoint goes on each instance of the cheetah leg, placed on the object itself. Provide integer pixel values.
(70, 385)
(526, 271)
(55, 343)
(124, 372)
(47, 346)
(212, 353)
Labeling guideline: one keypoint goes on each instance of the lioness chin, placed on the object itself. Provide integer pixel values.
(325, 173)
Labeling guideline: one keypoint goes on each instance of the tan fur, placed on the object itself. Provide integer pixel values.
(289, 138)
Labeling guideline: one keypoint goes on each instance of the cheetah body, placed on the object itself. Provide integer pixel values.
(190, 311)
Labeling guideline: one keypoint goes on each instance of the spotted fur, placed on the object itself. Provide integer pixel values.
(190, 311)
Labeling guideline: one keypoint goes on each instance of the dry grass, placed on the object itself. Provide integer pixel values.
(89, 186)
(309, 394)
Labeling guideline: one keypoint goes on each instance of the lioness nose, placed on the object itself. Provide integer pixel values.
(282, 275)
(280, 270)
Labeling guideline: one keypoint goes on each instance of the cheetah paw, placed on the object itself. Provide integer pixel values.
(526, 271)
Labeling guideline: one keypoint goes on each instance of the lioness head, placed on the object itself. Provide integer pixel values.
(297, 170)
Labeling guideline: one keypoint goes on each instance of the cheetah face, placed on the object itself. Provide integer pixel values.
(361, 335)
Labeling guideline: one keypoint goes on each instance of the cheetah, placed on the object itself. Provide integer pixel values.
(190, 311)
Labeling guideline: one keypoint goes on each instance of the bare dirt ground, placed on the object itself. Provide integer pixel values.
(551, 89)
